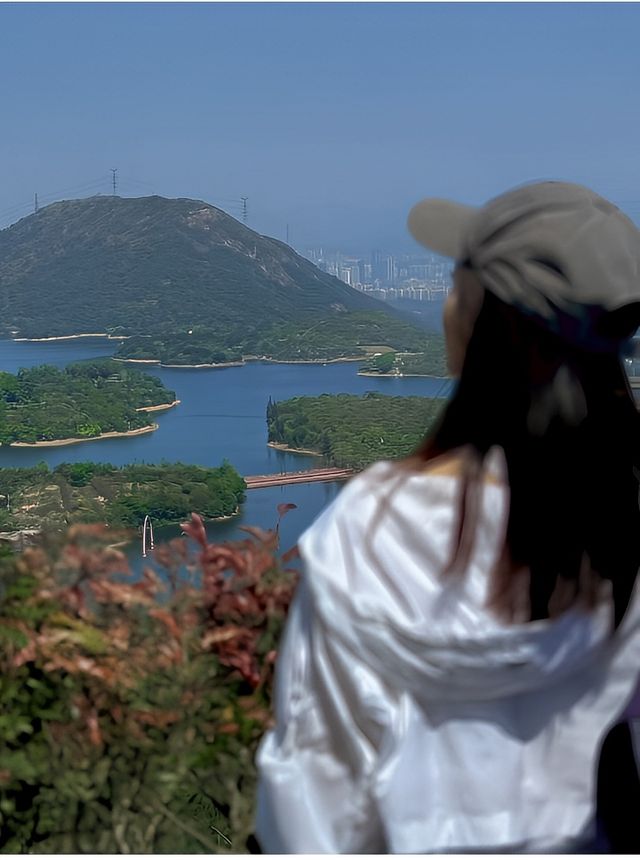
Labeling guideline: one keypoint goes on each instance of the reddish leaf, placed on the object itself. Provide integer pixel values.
(223, 556)
(290, 554)
(157, 718)
(195, 530)
(95, 735)
(221, 634)
(168, 620)
(261, 534)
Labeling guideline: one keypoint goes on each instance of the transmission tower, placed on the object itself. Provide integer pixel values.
(35, 202)
(114, 180)
(244, 208)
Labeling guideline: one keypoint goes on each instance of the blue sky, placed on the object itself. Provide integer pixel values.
(333, 118)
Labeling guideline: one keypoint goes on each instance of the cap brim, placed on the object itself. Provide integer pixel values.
(441, 226)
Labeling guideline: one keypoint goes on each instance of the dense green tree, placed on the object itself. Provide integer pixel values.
(352, 431)
(82, 400)
(117, 496)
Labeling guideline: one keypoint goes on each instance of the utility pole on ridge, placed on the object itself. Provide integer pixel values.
(244, 208)
(35, 202)
(114, 181)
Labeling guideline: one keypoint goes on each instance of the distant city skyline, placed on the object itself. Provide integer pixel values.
(331, 119)
(423, 276)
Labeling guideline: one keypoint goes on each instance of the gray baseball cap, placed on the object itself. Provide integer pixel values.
(555, 250)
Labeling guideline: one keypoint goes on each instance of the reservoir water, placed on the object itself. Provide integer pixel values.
(221, 415)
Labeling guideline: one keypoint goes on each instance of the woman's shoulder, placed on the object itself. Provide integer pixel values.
(401, 507)
(388, 492)
(451, 466)
(380, 549)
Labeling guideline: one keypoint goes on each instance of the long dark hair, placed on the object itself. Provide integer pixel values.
(573, 468)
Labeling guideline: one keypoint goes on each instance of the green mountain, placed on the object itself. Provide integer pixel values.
(184, 281)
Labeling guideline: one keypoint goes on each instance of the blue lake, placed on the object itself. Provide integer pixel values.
(221, 415)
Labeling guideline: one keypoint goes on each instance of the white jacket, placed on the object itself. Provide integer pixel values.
(409, 718)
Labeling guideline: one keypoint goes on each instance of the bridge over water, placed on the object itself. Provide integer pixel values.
(257, 482)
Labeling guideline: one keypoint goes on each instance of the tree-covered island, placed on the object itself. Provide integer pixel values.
(83, 401)
(118, 496)
(352, 431)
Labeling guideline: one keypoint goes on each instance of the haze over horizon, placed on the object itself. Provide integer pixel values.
(331, 118)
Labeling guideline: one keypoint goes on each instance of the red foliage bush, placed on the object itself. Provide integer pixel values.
(130, 709)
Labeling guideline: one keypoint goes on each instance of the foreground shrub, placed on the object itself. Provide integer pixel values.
(130, 710)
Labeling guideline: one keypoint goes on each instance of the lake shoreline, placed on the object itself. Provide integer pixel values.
(71, 337)
(280, 446)
(243, 363)
(224, 517)
(221, 415)
(313, 360)
(160, 407)
(156, 361)
(112, 434)
(401, 375)
(30, 535)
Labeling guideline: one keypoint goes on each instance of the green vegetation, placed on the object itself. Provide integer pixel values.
(200, 347)
(130, 712)
(318, 338)
(119, 497)
(352, 431)
(185, 281)
(430, 362)
(383, 363)
(313, 338)
(83, 400)
(321, 338)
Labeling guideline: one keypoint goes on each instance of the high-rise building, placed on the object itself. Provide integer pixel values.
(378, 266)
(391, 273)
(344, 273)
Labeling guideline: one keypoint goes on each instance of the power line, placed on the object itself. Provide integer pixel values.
(20, 210)
(98, 181)
(16, 209)
(238, 207)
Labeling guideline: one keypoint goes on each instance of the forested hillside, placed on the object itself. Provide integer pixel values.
(352, 431)
(189, 283)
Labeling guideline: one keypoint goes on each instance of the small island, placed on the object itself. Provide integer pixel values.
(351, 431)
(120, 497)
(86, 400)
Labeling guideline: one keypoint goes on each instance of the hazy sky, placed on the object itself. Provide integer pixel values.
(333, 118)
